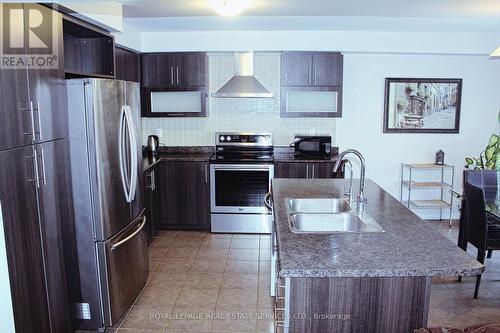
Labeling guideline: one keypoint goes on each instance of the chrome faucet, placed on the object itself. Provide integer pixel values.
(361, 199)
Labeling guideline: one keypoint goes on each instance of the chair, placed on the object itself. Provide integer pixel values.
(482, 179)
(479, 232)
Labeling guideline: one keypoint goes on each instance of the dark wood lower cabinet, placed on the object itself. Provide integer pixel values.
(304, 170)
(184, 195)
(37, 218)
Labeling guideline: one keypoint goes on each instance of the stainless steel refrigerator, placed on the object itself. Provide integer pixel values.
(106, 169)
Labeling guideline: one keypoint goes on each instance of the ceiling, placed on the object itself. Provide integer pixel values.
(380, 8)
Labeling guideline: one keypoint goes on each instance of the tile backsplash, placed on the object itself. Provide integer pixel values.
(237, 114)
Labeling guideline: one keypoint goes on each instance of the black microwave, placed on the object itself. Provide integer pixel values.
(313, 146)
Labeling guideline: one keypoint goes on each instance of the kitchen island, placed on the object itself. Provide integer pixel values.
(358, 282)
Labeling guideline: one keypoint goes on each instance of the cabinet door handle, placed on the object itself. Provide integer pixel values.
(313, 171)
(32, 117)
(314, 76)
(42, 158)
(39, 120)
(309, 75)
(206, 173)
(154, 180)
(171, 75)
(151, 176)
(307, 170)
(35, 169)
(177, 74)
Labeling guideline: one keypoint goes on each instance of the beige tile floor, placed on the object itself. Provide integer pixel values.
(452, 302)
(196, 275)
(202, 282)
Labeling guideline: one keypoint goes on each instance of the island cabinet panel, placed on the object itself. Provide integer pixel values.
(184, 195)
(311, 170)
(375, 305)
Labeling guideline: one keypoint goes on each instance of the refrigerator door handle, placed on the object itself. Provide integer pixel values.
(133, 152)
(129, 237)
(121, 153)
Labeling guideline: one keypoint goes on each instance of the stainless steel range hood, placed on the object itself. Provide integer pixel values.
(243, 83)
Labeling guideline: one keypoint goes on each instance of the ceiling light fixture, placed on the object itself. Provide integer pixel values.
(229, 7)
(495, 53)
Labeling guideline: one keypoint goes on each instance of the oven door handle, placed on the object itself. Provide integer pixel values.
(241, 167)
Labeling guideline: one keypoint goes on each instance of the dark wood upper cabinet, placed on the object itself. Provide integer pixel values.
(311, 68)
(88, 50)
(157, 70)
(184, 194)
(315, 77)
(193, 69)
(296, 68)
(16, 127)
(127, 64)
(173, 70)
(33, 101)
(327, 69)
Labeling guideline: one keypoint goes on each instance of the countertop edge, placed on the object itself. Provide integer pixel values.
(296, 273)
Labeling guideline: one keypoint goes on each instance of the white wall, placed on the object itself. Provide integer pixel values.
(106, 14)
(363, 103)
(129, 37)
(345, 41)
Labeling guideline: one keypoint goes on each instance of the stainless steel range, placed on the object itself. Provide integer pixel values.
(240, 176)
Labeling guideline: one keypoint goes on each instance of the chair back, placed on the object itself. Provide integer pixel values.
(481, 178)
(476, 227)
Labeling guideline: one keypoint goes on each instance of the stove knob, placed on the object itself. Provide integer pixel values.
(228, 138)
(222, 138)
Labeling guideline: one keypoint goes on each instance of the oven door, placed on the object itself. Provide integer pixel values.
(239, 188)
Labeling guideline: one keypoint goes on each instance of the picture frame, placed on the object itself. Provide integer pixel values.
(422, 105)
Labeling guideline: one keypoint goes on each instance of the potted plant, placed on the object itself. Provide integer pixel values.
(489, 158)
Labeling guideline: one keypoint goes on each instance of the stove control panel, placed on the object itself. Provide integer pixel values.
(247, 139)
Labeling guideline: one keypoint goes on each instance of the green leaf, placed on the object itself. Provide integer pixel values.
(493, 140)
(469, 161)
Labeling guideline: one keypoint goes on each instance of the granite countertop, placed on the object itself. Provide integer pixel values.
(185, 154)
(408, 247)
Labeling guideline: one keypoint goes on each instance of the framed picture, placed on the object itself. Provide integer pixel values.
(422, 105)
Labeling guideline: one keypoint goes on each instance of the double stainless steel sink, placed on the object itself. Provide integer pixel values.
(328, 215)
